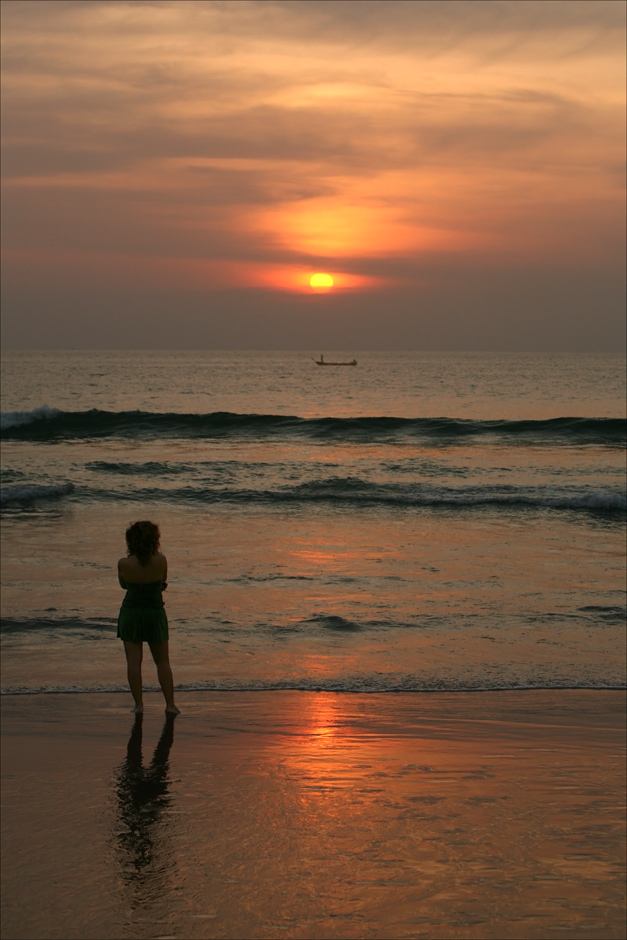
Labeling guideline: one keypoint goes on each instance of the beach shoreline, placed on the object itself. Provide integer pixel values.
(303, 814)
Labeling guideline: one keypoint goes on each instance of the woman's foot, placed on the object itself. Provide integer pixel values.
(138, 710)
(172, 710)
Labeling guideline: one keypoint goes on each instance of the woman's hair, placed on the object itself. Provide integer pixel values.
(142, 539)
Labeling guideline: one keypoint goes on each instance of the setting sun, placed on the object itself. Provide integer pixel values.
(321, 281)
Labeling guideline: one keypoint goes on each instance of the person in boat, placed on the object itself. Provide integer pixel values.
(321, 358)
(143, 573)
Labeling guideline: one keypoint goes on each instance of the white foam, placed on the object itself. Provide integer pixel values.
(26, 493)
(14, 419)
(599, 499)
(331, 685)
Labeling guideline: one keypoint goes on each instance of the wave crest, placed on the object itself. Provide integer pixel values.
(49, 424)
(17, 419)
(352, 492)
(30, 493)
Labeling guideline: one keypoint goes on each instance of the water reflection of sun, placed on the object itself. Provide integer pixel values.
(322, 717)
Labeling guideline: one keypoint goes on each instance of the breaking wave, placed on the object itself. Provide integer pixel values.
(26, 494)
(16, 419)
(353, 492)
(48, 424)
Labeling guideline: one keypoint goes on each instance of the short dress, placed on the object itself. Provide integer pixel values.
(142, 616)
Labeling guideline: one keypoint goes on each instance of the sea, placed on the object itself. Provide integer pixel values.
(417, 522)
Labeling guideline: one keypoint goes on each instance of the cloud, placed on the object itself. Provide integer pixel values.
(391, 139)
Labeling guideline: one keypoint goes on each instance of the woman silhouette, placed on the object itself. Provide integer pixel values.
(143, 573)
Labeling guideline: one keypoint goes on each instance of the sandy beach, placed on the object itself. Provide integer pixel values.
(314, 815)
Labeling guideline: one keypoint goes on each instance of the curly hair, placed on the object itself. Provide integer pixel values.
(142, 540)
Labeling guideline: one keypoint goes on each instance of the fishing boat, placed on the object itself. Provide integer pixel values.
(323, 362)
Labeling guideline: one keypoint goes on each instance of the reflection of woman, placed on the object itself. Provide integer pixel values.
(143, 574)
(143, 794)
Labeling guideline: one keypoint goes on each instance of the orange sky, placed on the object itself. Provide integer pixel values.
(221, 153)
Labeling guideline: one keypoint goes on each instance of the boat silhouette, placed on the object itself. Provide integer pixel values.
(323, 362)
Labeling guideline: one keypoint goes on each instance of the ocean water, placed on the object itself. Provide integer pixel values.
(418, 522)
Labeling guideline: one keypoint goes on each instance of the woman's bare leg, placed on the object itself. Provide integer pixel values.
(134, 672)
(164, 672)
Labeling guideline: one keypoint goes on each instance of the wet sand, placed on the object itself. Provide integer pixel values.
(315, 815)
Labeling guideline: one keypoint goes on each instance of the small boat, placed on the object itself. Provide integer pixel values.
(322, 362)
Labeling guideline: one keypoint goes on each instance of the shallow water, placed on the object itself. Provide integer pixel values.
(459, 525)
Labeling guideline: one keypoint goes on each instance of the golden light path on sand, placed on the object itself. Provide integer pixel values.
(316, 815)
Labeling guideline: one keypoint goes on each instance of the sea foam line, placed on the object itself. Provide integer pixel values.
(375, 686)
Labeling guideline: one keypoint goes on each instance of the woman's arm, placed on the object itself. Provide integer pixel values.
(120, 578)
(165, 575)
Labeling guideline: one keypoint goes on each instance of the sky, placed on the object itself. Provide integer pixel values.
(174, 173)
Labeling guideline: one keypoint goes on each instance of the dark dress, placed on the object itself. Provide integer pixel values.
(142, 617)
